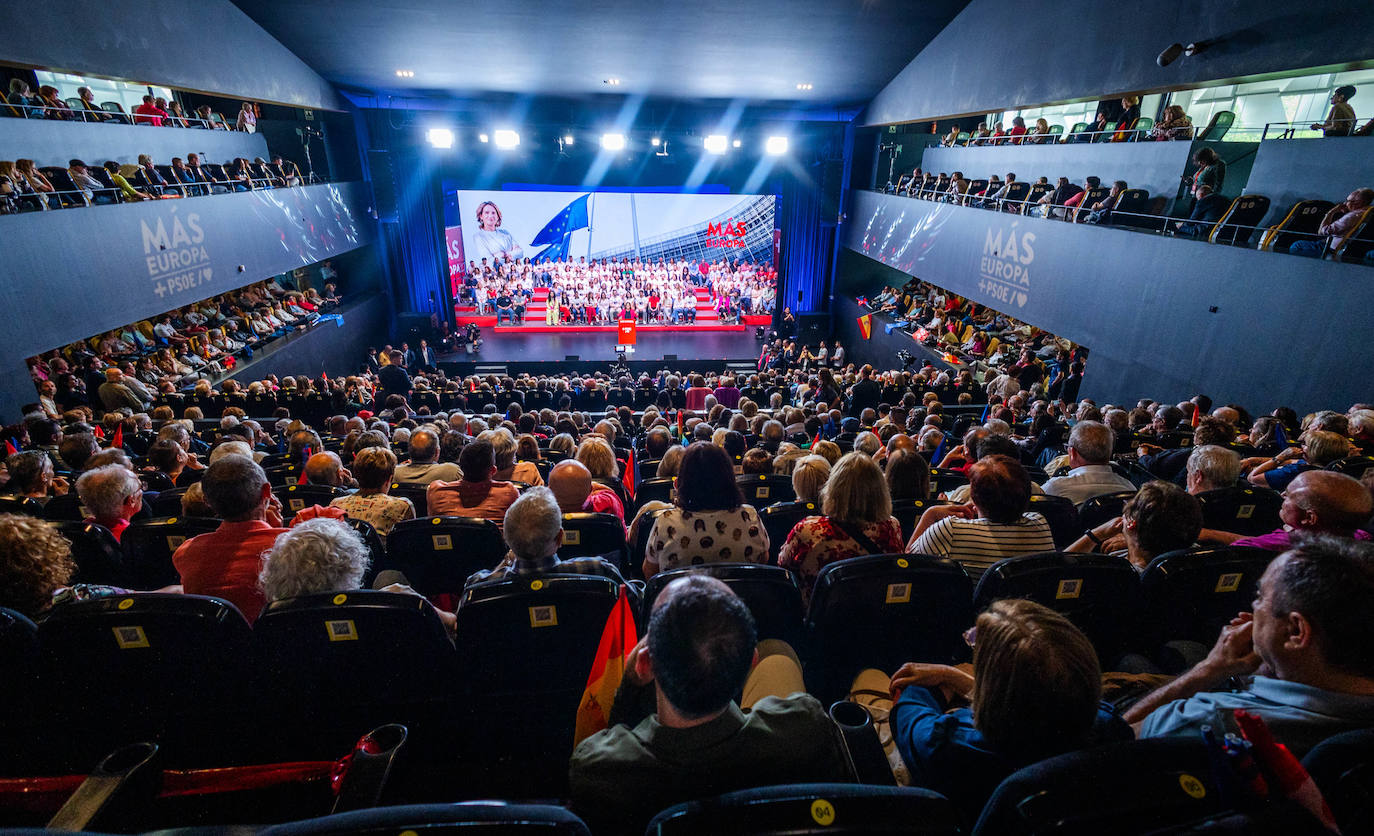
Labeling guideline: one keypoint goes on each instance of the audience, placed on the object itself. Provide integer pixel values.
(475, 494)
(1090, 471)
(534, 531)
(709, 521)
(374, 468)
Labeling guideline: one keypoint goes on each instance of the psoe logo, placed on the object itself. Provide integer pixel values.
(728, 234)
(1004, 269)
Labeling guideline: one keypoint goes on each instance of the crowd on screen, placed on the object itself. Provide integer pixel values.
(603, 291)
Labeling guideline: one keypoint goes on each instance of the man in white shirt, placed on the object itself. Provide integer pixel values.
(1091, 474)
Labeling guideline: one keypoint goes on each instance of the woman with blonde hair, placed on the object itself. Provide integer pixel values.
(1035, 692)
(856, 519)
(809, 477)
(1174, 125)
(596, 454)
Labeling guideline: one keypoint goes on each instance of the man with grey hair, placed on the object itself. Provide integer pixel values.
(867, 443)
(225, 562)
(534, 530)
(507, 468)
(424, 465)
(112, 495)
(1090, 473)
(1212, 467)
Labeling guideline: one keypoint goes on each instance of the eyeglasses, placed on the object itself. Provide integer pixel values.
(971, 636)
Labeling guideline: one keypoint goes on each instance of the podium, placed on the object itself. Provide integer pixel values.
(625, 334)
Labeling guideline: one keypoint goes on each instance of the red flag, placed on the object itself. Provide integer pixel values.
(10, 449)
(618, 638)
(323, 376)
(304, 459)
(817, 439)
(866, 325)
(98, 432)
(679, 425)
(117, 441)
(1197, 415)
(628, 479)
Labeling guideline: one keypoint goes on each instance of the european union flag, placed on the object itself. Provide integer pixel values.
(557, 233)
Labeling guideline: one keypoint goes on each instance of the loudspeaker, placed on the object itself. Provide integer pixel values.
(671, 358)
(414, 326)
(383, 185)
(570, 358)
(812, 328)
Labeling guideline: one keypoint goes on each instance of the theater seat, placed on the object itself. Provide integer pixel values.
(97, 554)
(763, 489)
(167, 503)
(437, 554)
(882, 611)
(1300, 224)
(1062, 516)
(376, 547)
(1352, 466)
(943, 480)
(468, 818)
(1099, 509)
(653, 490)
(334, 665)
(19, 660)
(1190, 595)
(1217, 126)
(28, 506)
(144, 666)
(295, 498)
(1099, 593)
(805, 809)
(1237, 225)
(908, 512)
(1121, 788)
(588, 534)
(770, 592)
(1241, 509)
(149, 545)
(66, 507)
(525, 647)
(1343, 769)
(417, 494)
(780, 518)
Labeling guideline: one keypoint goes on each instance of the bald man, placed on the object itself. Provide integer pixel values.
(327, 469)
(1316, 502)
(572, 485)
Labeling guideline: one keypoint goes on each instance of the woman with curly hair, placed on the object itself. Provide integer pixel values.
(36, 568)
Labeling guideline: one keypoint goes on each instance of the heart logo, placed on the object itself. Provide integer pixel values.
(1021, 300)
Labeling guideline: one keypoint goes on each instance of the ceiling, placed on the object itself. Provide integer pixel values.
(755, 51)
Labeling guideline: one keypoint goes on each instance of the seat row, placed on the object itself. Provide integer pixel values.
(164, 181)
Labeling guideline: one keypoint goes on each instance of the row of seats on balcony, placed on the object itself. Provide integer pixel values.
(1138, 130)
(165, 182)
(1135, 209)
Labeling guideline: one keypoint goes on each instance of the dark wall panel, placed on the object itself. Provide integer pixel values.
(1290, 170)
(996, 56)
(333, 349)
(83, 271)
(1164, 318)
(206, 45)
(55, 143)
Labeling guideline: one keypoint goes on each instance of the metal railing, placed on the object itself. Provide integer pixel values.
(75, 114)
(1238, 235)
(1075, 138)
(1299, 130)
(80, 197)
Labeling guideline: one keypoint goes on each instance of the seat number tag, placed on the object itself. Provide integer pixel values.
(572, 538)
(442, 542)
(129, 638)
(544, 616)
(1069, 588)
(1228, 582)
(898, 593)
(343, 630)
(1245, 512)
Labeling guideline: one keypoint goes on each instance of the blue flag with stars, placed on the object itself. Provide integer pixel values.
(557, 233)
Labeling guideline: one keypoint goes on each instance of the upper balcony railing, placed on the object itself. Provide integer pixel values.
(110, 113)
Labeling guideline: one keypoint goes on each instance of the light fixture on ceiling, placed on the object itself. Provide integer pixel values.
(612, 81)
(405, 73)
(715, 143)
(736, 143)
(505, 138)
(775, 145)
(440, 137)
(568, 139)
(801, 85)
(654, 142)
(613, 142)
(483, 137)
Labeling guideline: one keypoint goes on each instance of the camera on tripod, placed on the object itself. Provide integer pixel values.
(905, 357)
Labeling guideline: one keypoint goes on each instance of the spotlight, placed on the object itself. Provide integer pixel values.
(715, 144)
(614, 82)
(654, 142)
(440, 137)
(506, 138)
(483, 137)
(567, 139)
(613, 142)
(775, 145)
(735, 143)
(803, 86)
(405, 73)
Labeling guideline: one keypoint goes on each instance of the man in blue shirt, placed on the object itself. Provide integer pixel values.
(1305, 652)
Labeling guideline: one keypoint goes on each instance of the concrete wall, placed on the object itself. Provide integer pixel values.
(1004, 54)
(1164, 318)
(205, 45)
(54, 143)
(1290, 170)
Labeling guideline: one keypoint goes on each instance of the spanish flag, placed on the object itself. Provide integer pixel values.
(866, 325)
(628, 478)
(608, 668)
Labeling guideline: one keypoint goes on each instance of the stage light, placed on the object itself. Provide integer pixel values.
(405, 73)
(715, 143)
(613, 142)
(506, 138)
(775, 145)
(735, 143)
(654, 142)
(567, 139)
(440, 137)
(483, 137)
(801, 85)
(614, 82)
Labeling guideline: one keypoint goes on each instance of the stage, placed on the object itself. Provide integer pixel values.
(594, 349)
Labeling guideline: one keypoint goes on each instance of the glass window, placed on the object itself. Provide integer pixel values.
(129, 94)
(1282, 103)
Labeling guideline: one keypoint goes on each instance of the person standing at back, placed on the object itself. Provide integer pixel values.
(394, 378)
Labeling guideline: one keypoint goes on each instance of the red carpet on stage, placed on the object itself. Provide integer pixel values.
(535, 322)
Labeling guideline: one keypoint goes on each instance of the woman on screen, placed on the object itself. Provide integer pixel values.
(492, 241)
